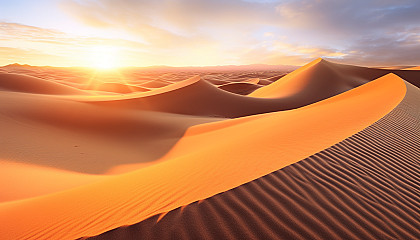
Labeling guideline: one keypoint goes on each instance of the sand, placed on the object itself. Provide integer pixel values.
(21, 180)
(81, 164)
(413, 68)
(355, 189)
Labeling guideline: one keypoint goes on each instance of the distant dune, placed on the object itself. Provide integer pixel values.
(27, 84)
(413, 68)
(328, 151)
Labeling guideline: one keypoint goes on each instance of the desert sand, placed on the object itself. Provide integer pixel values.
(327, 151)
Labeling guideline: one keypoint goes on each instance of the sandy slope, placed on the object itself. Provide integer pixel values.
(70, 135)
(22, 180)
(361, 188)
(207, 160)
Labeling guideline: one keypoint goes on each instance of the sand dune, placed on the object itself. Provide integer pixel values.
(328, 146)
(85, 133)
(314, 76)
(252, 80)
(202, 164)
(347, 191)
(117, 87)
(326, 79)
(28, 84)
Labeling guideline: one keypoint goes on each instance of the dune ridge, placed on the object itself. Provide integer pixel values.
(365, 187)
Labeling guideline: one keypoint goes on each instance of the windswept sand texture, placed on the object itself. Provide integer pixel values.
(328, 151)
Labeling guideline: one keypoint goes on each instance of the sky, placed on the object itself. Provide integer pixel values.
(119, 33)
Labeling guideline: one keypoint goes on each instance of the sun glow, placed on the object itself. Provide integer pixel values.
(104, 57)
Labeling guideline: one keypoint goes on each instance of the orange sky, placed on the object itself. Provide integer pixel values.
(111, 33)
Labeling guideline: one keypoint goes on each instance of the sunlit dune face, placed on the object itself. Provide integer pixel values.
(104, 57)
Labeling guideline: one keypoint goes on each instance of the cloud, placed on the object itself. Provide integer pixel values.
(296, 29)
(218, 32)
(345, 17)
(171, 15)
(15, 31)
(386, 50)
(13, 55)
(40, 46)
(278, 52)
(173, 23)
(20, 31)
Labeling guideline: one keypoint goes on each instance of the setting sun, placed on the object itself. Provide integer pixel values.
(104, 57)
(209, 119)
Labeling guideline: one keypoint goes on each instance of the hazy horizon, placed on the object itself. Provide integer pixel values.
(157, 66)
